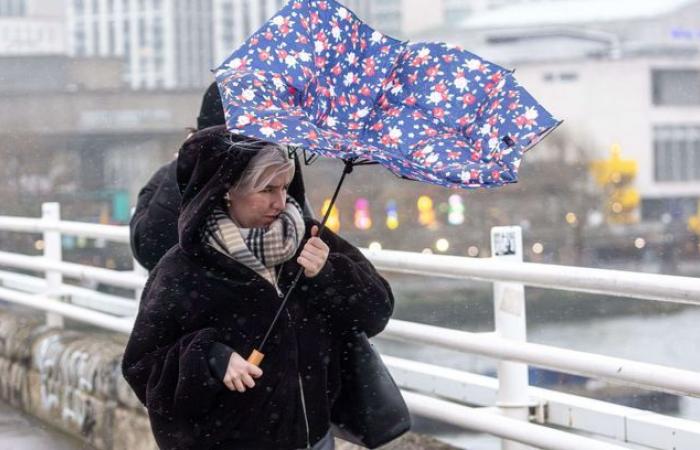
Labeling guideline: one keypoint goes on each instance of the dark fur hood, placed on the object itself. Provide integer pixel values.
(209, 163)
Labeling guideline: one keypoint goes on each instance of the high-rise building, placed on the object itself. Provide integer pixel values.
(164, 43)
(235, 20)
(13, 8)
(31, 27)
(169, 43)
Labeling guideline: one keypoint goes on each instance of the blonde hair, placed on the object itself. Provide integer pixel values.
(269, 162)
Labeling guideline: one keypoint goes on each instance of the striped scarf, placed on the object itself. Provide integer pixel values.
(261, 249)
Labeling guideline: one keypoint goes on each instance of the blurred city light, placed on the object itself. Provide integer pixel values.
(362, 214)
(375, 246)
(442, 245)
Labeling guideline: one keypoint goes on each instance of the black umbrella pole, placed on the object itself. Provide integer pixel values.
(257, 355)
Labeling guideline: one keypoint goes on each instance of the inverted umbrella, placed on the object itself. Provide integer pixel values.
(316, 77)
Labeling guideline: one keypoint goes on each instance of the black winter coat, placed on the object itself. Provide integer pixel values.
(153, 225)
(199, 305)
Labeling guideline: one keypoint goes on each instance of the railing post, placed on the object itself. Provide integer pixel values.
(51, 212)
(509, 314)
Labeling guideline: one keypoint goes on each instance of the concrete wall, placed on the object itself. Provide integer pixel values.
(72, 381)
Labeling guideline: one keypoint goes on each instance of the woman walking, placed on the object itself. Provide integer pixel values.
(211, 298)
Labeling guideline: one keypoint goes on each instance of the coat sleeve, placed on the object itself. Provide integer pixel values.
(168, 368)
(349, 289)
(153, 226)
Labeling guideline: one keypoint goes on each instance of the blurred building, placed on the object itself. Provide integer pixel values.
(71, 133)
(164, 43)
(32, 27)
(13, 8)
(404, 18)
(624, 72)
(169, 44)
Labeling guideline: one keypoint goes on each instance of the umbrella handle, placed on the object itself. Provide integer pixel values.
(255, 358)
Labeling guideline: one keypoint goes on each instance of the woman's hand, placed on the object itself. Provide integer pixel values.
(240, 373)
(314, 255)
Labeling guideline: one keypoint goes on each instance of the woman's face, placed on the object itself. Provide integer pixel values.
(259, 209)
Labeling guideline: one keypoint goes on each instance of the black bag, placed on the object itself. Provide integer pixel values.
(369, 410)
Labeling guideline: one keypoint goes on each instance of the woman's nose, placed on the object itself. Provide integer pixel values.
(280, 199)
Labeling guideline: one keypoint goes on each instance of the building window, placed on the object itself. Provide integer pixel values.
(80, 48)
(676, 87)
(142, 32)
(677, 153)
(112, 37)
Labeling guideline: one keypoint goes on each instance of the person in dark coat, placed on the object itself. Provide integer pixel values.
(210, 300)
(153, 225)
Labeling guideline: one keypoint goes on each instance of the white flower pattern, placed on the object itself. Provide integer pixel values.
(427, 111)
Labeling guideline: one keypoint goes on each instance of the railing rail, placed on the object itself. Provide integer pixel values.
(644, 286)
(511, 395)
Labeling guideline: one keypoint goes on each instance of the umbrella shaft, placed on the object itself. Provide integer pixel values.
(346, 170)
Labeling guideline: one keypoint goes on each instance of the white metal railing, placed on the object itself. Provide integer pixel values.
(506, 407)
(644, 286)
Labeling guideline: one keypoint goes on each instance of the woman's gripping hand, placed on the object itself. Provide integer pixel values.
(240, 373)
(314, 255)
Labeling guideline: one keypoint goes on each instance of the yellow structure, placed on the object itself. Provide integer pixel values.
(426, 213)
(333, 222)
(616, 175)
(694, 222)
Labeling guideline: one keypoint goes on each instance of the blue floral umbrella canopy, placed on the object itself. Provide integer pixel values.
(317, 77)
